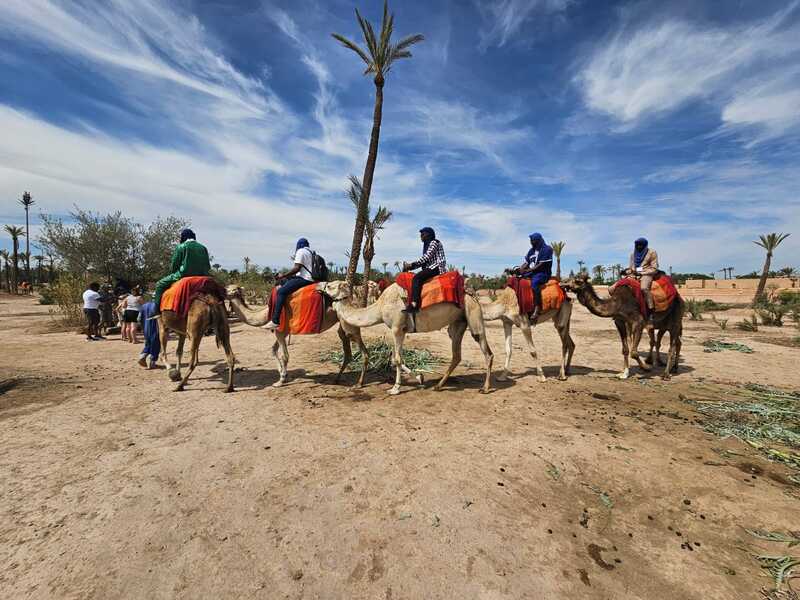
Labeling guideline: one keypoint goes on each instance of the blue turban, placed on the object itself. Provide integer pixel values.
(187, 234)
(301, 243)
(639, 254)
(537, 239)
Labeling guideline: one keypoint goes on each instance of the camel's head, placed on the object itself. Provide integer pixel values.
(337, 290)
(234, 291)
(576, 283)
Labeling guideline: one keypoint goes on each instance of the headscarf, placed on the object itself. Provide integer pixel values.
(537, 240)
(431, 236)
(301, 243)
(187, 234)
(638, 255)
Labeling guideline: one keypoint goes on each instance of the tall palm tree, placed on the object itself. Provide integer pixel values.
(15, 233)
(5, 256)
(599, 273)
(385, 271)
(379, 56)
(27, 202)
(769, 242)
(558, 248)
(373, 224)
(398, 265)
(580, 266)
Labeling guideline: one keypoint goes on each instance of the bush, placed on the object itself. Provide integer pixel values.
(67, 293)
(709, 306)
(789, 298)
(771, 314)
(695, 310)
(721, 323)
(748, 324)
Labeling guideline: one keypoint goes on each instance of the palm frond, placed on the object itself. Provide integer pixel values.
(381, 217)
(369, 36)
(352, 46)
(409, 41)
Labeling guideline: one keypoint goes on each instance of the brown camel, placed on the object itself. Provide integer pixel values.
(506, 308)
(388, 309)
(205, 311)
(280, 350)
(623, 307)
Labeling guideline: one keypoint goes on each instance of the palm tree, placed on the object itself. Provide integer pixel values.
(786, 272)
(599, 273)
(246, 260)
(580, 266)
(769, 242)
(372, 226)
(379, 57)
(15, 233)
(558, 248)
(27, 202)
(398, 265)
(385, 271)
(5, 255)
(39, 259)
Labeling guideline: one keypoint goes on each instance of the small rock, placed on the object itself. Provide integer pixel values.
(297, 574)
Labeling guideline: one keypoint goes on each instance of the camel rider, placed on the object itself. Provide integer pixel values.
(433, 263)
(644, 266)
(299, 276)
(538, 267)
(189, 259)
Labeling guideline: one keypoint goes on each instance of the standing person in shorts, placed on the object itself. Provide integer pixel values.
(131, 306)
(91, 308)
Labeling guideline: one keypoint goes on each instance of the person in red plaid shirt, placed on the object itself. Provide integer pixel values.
(433, 263)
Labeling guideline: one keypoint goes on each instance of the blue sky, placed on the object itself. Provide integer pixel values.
(592, 122)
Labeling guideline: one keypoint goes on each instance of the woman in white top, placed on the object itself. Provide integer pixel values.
(131, 306)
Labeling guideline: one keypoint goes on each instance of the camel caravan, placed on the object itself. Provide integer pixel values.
(425, 297)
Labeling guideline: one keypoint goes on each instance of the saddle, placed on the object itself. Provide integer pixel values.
(663, 291)
(303, 312)
(179, 296)
(552, 294)
(447, 287)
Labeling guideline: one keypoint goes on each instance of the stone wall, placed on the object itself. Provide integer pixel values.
(733, 291)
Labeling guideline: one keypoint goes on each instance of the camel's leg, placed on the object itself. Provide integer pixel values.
(622, 328)
(163, 336)
(488, 356)
(636, 338)
(179, 357)
(399, 335)
(561, 323)
(364, 356)
(674, 352)
(527, 333)
(224, 335)
(194, 341)
(507, 331)
(659, 337)
(281, 354)
(456, 332)
(347, 353)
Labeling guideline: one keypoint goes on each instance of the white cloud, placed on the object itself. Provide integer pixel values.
(656, 67)
(504, 18)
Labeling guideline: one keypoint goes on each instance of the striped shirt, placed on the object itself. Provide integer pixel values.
(433, 258)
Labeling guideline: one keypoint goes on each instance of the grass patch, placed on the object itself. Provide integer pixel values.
(766, 418)
(380, 358)
(750, 324)
(719, 346)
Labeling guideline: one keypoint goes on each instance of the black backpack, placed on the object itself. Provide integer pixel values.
(319, 270)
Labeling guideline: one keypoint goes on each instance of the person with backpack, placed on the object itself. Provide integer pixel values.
(309, 267)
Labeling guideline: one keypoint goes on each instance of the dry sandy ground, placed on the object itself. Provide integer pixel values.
(115, 487)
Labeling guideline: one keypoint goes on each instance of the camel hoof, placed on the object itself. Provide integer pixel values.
(502, 377)
(624, 375)
(542, 379)
(420, 379)
(562, 377)
(229, 390)
(278, 384)
(178, 389)
(666, 377)
(394, 391)
(174, 375)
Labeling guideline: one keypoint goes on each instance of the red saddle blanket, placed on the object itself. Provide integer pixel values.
(663, 290)
(552, 294)
(178, 297)
(447, 287)
(302, 313)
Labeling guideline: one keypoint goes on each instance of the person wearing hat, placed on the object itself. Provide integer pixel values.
(189, 259)
(644, 266)
(538, 267)
(299, 276)
(432, 262)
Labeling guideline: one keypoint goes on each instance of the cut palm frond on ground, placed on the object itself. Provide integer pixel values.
(380, 358)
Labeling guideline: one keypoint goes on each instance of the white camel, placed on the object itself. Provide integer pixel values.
(280, 350)
(388, 309)
(506, 308)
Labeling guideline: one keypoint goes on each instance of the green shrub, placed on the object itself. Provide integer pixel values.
(748, 324)
(771, 314)
(694, 308)
(67, 293)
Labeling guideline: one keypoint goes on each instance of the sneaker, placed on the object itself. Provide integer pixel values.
(142, 362)
(272, 325)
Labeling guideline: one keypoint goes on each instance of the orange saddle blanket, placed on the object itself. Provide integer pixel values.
(303, 312)
(447, 287)
(178, 297)
(552, 294)
(663, 290)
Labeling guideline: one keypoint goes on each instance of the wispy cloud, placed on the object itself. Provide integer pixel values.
(653, 68)
(504, 18)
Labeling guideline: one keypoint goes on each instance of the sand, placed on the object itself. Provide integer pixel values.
(113, 486)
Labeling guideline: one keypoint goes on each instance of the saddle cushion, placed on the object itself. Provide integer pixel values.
(663, 290)
(179, 296)
(552, 294)
(447, 287)
(302, 313)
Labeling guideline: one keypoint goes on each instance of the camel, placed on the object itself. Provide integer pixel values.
(388, 309)
(205, 311)
(506, 308)
(280, 350)
(623, 307)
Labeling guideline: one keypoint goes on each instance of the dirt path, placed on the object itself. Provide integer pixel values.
(115, 487)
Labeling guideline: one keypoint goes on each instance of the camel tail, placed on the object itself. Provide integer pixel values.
(219, 322)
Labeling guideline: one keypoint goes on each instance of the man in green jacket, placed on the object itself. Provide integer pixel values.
(189, 259)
